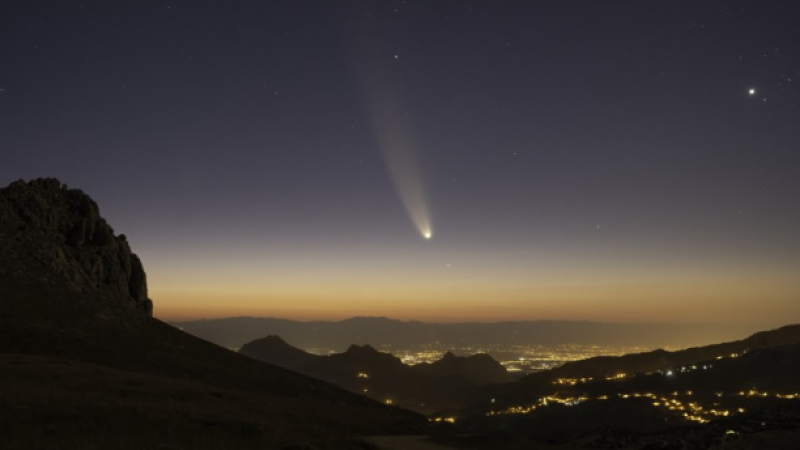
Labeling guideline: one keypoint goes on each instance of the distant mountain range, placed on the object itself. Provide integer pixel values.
(382, 332)
(447, 383)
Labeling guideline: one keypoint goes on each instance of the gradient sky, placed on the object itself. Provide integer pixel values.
(572, 159)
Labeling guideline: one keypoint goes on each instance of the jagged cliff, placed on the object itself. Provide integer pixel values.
(55, 235)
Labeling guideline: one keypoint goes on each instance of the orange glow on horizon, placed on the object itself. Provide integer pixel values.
(604, 303)
(416, 283)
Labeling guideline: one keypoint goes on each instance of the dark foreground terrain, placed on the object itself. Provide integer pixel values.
(83, 364)
(76, 378)
(744, 394)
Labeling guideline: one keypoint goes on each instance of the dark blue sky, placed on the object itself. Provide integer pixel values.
(576, 159)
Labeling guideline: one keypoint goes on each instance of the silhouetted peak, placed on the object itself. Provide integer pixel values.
(55, 235)
(361, 350)
(479, 369)
(274, 350)
(271, 341)
(450, 358)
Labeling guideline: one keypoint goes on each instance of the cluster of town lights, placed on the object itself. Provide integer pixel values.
(691, 410)
(543, 402)
(442, 419)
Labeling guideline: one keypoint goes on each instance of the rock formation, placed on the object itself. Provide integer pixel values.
(53, 234)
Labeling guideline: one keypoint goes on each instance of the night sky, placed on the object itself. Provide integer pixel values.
(602, 160)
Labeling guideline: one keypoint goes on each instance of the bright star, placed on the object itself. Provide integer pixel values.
(752, 91)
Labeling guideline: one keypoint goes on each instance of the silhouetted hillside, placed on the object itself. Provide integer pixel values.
(660, 360)
(744, 392)
(84, 365)
(619, 368)
(447, 383)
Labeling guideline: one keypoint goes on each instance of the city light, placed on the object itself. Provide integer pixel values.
(692, 411)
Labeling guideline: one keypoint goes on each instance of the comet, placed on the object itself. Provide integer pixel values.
(395, 137)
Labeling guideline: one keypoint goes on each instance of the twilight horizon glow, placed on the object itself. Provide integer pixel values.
(614, 161)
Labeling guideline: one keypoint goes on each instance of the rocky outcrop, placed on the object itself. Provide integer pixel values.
(55, 235)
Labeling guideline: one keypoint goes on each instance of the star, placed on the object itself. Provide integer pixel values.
(752, 91)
